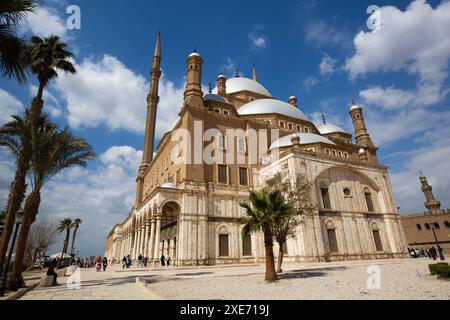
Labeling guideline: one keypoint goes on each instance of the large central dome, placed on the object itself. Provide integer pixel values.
(270, 106)
(243, 84)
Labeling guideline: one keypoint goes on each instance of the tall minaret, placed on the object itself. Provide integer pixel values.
(152, 105)
(254, 73)
(433, 205)
(193, 94)
(362, 135)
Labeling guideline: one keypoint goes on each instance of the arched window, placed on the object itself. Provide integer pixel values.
(447, 224)
(427, 226)
(419, 227)
(224, 238)
(369, 202)
(247, 245)
(377, 238)
(332, 239)
(325, 198)
(436, 225)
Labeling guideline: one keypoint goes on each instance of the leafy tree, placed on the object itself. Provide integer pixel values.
(264, 206)
(76, 225)
(297, 192)
(13, 57)
(52, 152)
(65, 225)
(46, 57)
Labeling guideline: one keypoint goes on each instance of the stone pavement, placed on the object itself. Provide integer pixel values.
(401, 279)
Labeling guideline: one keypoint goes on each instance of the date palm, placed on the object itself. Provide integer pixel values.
(52, 152)
(76, 225)
(263, 207)
(65, 225)
(46, 57)
(13, 58)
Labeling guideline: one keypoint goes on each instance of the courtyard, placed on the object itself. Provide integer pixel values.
(388, 279)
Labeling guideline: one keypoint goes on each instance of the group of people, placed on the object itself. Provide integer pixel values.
(430, 253)
(143, 261)
(98, 263)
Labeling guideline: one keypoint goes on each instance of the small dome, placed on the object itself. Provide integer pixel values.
(194, 54)
(214, 97)
(221, 76)
(293, 97)
(168, 185)
(362, 151)
(331, 128)
(269, 106)
(243, 84)
(354, 107)
(305, 138)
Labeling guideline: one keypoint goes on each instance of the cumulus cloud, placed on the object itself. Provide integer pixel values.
(9, 106)
(258, 40)
(105, 91)
(43, 22)
(310, 83)
(327, 65)
(415, 41)
(387, 98)
(101, 196)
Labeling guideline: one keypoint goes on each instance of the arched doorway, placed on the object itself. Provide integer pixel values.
(169, 231)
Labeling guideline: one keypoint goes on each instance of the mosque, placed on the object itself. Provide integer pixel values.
(188, 207)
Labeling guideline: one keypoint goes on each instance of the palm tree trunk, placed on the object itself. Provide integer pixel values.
(15, 199)
(280, 258)
(73, 240)
(31, 209)
(271, 274)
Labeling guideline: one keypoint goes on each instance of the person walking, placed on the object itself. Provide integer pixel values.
(124, 262)
(145, 262)
(105, 263)
(98, 264)
(51, 272)
(128, 262)
(163, 261)
(168, 261)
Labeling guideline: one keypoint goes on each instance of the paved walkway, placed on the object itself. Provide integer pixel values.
(400, 279)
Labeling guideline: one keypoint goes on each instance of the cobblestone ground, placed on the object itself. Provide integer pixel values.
(399, 279)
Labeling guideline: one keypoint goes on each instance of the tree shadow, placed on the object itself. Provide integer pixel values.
(308, 273)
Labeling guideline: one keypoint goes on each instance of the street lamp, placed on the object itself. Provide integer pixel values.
(441, 252)
(4, 276)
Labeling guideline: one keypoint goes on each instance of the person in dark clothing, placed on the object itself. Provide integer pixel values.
(163, 261)
(105, 263)
(124, 262)
(168, 261)
(51, 272)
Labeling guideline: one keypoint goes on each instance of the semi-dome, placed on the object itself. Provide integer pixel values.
(331, 128)
(243, 84)
(354, 107)
(214, 97)
(269, 106)
(305, 138)
(168, 185)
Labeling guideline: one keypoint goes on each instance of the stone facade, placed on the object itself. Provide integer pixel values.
(190, 211)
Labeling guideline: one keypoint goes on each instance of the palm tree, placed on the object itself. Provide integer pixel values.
(46, 57)
(263, 207)
(13, 61)
(65, 225)
(53, 152)
(76, 225)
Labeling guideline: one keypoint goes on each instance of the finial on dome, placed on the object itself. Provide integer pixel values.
(254, 72)
(210, 89)
(420, 172)
(237, 75)
(324, 119)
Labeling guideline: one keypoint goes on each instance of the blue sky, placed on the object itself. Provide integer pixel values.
(321, 51)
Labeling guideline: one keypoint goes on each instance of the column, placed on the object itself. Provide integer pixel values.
(138, 242)
(157, 238)
(142, 246)
(152, 240)
(147, 227)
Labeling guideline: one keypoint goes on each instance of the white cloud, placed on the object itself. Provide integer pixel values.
(323, 33)
(327, 65)
(101, 196)
(388, 98)
(52, 104)
(43, 22)
(415, 41)
(310, 83)
(105, 91)
(9, 106)
(258, 41)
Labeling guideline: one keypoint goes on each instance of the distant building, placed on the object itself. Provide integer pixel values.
(419, 226)
(190, 210)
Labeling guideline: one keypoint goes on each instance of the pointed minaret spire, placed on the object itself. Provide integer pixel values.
(237, 73)
(433, 205)
(210, 89)
(152, 105)
(324, 119)
(254, 72)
